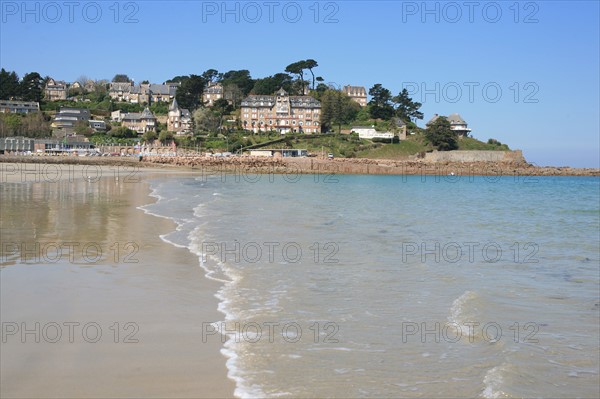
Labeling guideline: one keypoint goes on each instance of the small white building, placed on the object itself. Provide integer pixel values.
(278, 153)
(369, 132)
(97, 125)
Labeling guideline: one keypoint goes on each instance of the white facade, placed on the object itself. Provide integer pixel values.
(370, 133)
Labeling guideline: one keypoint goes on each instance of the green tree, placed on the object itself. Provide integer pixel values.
(9, 85)
(150, 136)
(121, 78)
(189, 94)
(310, 64)
(100, 91)
(406, 108)
(222, 107)
(159, 108)
(440, 135)
(83, 128)
(34, 124)
(122, 132)
(337, 109)
(297, 68)
(31, 87)
(10, 125)
(271, 84)
(233, 93)
(239, 78)
(211, 75)
(165, 137)
(206, 120)
(381, 102)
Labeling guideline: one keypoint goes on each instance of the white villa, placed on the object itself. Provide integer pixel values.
(457, 123)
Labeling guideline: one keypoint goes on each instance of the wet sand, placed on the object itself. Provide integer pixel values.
(93, 303)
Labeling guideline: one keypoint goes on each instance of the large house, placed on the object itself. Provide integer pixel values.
(139, 122)
(457, 124)
(282, 113)
(18, 107)
(179, 120)
(144, 93)
(65, 120)
(212, 93)
(357, 93)
(55, 90)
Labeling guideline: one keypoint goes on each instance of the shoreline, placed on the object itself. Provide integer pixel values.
(163, 293)
(294, 166)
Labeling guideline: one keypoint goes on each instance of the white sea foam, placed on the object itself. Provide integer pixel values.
(493, 381)
(463, 311)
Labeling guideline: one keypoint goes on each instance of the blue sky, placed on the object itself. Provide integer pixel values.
(525, 73)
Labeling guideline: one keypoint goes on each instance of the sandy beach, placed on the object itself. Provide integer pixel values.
(93, 302)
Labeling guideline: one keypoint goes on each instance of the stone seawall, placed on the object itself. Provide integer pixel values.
(366, 166)
(515, 157)
(249, 165)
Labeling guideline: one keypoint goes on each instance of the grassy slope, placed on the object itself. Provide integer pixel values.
(469, 143)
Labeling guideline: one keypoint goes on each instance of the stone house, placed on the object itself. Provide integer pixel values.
(138, 122)
(179, 120)
(282, 113)
(55, 90)
(357, 93)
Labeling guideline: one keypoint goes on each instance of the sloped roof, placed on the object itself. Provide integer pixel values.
(132, 116)
(269, 101)
(304, 102)
(162, 89)
(120, 86)
(399, 122)
(147, 114)
(255, 100)
(435, 116)
(455, 119)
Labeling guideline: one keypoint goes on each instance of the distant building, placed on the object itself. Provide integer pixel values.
(145, 93)
(120, 91)
(179, 120)
(24, 144)
(117, 116)
(457, 124)
(369, 132)
(282, 113)
(139, 122)
(18, 107)
(212, 93)
(55, 90)
(277, 153)
(16, 144)
(357, 93)
(65, 120)
(99, 126)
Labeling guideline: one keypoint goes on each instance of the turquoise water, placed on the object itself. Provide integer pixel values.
(395, 286)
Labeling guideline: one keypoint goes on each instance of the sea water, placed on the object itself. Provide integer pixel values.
(397, 286)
